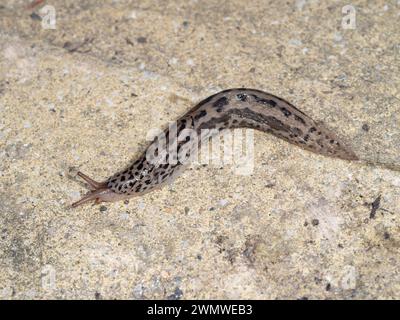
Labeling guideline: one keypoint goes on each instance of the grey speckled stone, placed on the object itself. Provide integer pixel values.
(84, 95)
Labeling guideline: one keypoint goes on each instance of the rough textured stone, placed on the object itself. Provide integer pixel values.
(84, 95)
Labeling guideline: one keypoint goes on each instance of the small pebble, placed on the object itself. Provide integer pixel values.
(141, 40)
(328, 287)
(124, 216)
(295, 42)
(386, 235)
(173, 61)
(337, 37)
(176, 295)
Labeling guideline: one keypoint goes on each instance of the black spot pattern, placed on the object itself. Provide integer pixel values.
(201, 114)
(241, 96)
(182, 125)
(221, 102)
(297, 132)
(268, 102)
(300, 119)
(285, 112)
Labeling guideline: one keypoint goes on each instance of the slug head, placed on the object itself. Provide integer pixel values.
(99, 192)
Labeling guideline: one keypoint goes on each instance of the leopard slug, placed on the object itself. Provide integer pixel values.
(232, 108)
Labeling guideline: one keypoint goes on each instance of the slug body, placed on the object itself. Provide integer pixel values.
(228, 109)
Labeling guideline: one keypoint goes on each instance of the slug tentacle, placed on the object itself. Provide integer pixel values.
(99, 192)
(94, 195)
(232, 108)
(92, 183)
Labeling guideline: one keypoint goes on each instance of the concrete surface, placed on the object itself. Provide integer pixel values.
(83, 95)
